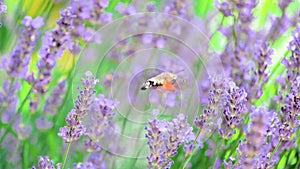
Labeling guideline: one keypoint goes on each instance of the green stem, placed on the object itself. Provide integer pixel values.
(234, 32)
(298, 163)
(56, 119)
(135, 94)
(15, 117)
(276, 148)
(222, 21)
(217, 152)
(188, 158)
(66, 155)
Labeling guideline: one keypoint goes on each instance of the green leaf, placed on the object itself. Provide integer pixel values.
(217, 42)
(25, 154)
(202, 7)
(282, 162)
(261, 12)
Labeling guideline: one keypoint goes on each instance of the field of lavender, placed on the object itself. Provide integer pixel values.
(130, 84)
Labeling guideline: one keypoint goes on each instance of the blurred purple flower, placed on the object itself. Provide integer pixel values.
(225, 7)
(256, 140)
(23, 131)
(10, 144)
(105, 18)
(125, 10)
(43, 124)
(98, 122)
(3, 7)
(9, 100)
(45, 163)
(262, 57)
(177, 7)
(160, 43)
(95, 161)
(17, 65)
(54, 44)
(86, 165)
(171, 100)
(147, 38)
(283, 4)
(55, 99)
(150, 7)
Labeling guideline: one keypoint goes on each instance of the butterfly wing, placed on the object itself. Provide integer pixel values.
(169, 86)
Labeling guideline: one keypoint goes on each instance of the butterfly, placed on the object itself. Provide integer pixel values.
(165, 80)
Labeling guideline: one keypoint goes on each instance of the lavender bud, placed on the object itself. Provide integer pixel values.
(226, 8)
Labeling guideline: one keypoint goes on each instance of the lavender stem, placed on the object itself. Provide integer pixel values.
(276, 148)
(188, 158)
(66, 155)
(15, 116)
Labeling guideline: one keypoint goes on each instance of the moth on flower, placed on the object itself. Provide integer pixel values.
(166, 80)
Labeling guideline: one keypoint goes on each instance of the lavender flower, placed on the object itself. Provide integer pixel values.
(17, 65)
(255, 143)
(178, 8)
(260, 74)
(235, 108)
(43, 124)
(98, 122)
(9, 100)
(282, 23)
(96, 161)
(244, 9)
(150, 7)
(293, 64)
(128, 10)
(285, 123)
(226, 8)
(224, 97)
(69, 29)
(55, 100)
(45, 163)
(10, 144)
(88, 11)
(283, 4)
(86, 165)
(23, 131)
(74, 129)
(3, 9)
(55, 42)
(91, 11)
(164, 138)
(290, 109)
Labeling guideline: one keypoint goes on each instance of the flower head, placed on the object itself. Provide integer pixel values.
(164, 138)
(98, 122)
(45, 163)
(55, 100)
(75, 129)
(256, 140)
(226, 8)
(18, 63)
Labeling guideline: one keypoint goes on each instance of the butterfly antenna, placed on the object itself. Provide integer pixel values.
(179, 71)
